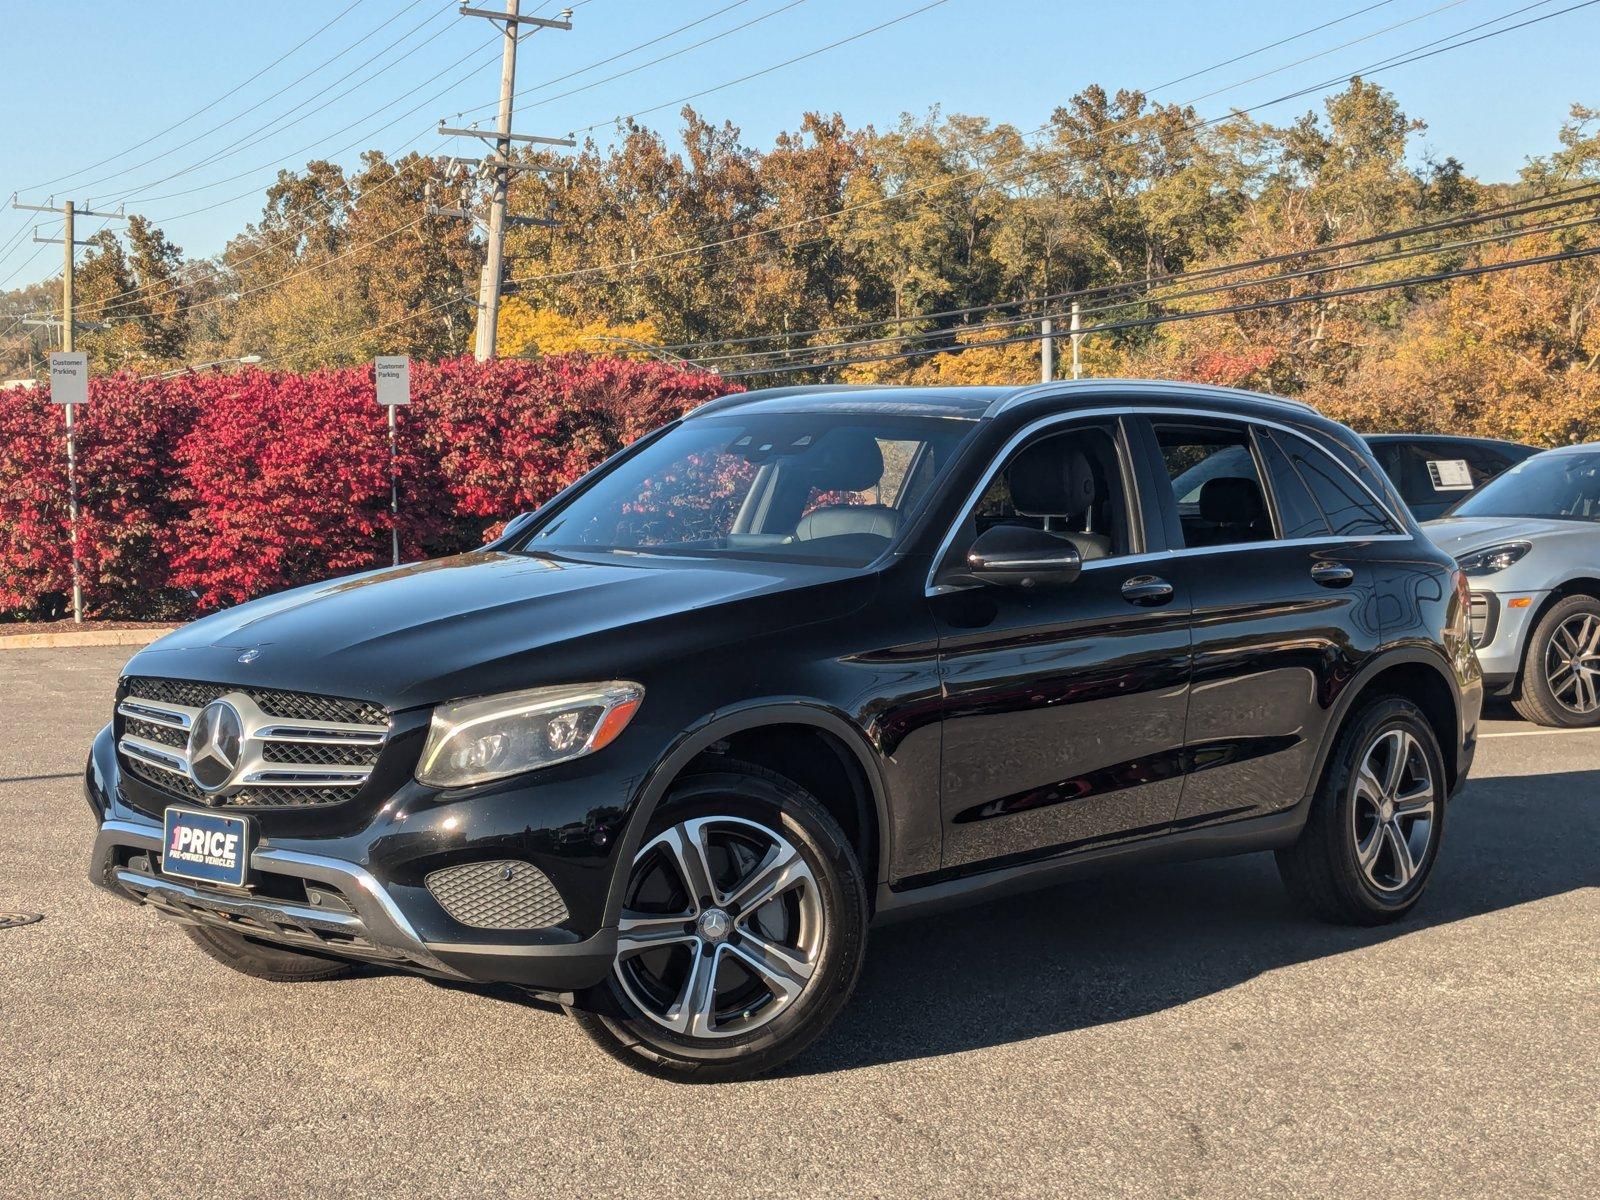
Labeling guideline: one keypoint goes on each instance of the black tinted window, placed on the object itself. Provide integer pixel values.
(1214, 483)
(1298, 514)
(1064, 483)
(1351, 512)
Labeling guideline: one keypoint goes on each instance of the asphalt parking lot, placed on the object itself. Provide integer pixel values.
(1176, 1031)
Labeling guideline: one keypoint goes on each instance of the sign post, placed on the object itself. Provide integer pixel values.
(69, 385)
(393, 373)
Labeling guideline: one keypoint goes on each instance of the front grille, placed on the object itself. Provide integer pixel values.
(297, 749)
(498, 895)
(304, 706)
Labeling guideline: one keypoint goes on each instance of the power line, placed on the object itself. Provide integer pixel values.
(95, 183)
(296, 48)
(1229, 310)
(782, 8)
(957, 331)
(1394, 61)
(266, 132)
(775, 67)
(539, 87)
(1560, 198)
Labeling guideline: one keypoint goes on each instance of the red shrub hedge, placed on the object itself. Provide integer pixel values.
(549, 421)
(209, 489)
(127, 440)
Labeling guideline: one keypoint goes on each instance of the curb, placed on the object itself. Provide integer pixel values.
(87, 637)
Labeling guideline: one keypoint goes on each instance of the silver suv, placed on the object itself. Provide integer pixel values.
(1529, 542)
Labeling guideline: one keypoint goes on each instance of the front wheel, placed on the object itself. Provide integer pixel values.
(1373, 832)
(1561, 667)
(742, 931)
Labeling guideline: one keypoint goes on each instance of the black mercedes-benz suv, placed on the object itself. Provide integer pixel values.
(806, 658)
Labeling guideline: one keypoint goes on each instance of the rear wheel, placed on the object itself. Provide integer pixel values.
(277, 963)
(742, 931)
(1373, 832)
(1561, 666)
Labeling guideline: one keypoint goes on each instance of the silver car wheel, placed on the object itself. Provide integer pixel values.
(1392, 816)
(1572, 663)
(721, 930)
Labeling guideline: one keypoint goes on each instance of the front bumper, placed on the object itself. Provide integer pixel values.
(305, 898)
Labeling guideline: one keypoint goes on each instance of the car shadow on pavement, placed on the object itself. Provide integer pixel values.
(1125, 945)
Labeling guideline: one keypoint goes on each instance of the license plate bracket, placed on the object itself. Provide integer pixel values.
(207, 847)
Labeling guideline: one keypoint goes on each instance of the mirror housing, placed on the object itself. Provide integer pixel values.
(1018, 556)
(513, 527)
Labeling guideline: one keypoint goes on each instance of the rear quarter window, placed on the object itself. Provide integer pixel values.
(1349, 509)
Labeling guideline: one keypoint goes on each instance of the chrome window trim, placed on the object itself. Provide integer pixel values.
(1139, 410)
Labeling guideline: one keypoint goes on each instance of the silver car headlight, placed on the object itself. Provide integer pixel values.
(1493, 558)
(490, 737)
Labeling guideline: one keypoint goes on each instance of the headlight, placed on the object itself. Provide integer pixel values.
(1493, 558)
(472, 741)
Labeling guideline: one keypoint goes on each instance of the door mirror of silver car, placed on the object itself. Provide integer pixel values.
(1020, 556)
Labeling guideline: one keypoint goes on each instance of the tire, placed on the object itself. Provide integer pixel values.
(1554, 692)
(810, 931)
(261, 961)
(1350, 864)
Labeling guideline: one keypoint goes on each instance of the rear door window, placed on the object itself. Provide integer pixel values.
(1215, 484)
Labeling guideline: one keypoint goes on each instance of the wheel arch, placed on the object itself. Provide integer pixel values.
(1417, 675)
(776, 735)
(1573, 585)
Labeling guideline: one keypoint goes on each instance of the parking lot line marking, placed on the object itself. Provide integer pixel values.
(1532, 733)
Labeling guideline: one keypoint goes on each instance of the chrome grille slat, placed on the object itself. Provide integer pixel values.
(173, 715)
(308, 777)
(155, 755)
(302, 750)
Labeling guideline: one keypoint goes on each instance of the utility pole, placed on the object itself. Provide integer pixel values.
(1047, 351)
(1077, 340)
(70, 243)
(501, 166)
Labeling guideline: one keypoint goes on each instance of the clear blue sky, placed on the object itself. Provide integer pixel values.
(134, 69)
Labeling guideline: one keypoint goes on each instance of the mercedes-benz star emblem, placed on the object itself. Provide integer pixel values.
(215, 743)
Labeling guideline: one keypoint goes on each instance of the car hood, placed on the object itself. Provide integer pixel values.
(1462, 535)
(489, 621)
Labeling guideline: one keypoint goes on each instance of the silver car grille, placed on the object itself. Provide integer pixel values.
(299, 749)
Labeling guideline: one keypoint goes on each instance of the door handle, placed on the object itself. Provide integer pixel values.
(1148, 591)
(1333, 574)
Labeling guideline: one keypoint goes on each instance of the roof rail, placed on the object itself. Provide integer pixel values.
(735, 399)
(1066, 387)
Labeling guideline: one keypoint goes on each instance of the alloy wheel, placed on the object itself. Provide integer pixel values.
(1572, 663)
(1392, 817)
(721, 929)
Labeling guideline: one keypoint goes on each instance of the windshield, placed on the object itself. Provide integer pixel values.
(1565, 485)
(826, 488)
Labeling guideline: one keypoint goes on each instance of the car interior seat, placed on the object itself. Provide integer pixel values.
(1059, 484)
(846, 460)
(1235, 510)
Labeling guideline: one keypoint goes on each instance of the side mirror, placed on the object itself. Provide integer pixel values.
(513, 527)
(1018, 556)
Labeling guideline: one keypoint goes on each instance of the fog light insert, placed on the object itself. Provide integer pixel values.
(503, 894)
